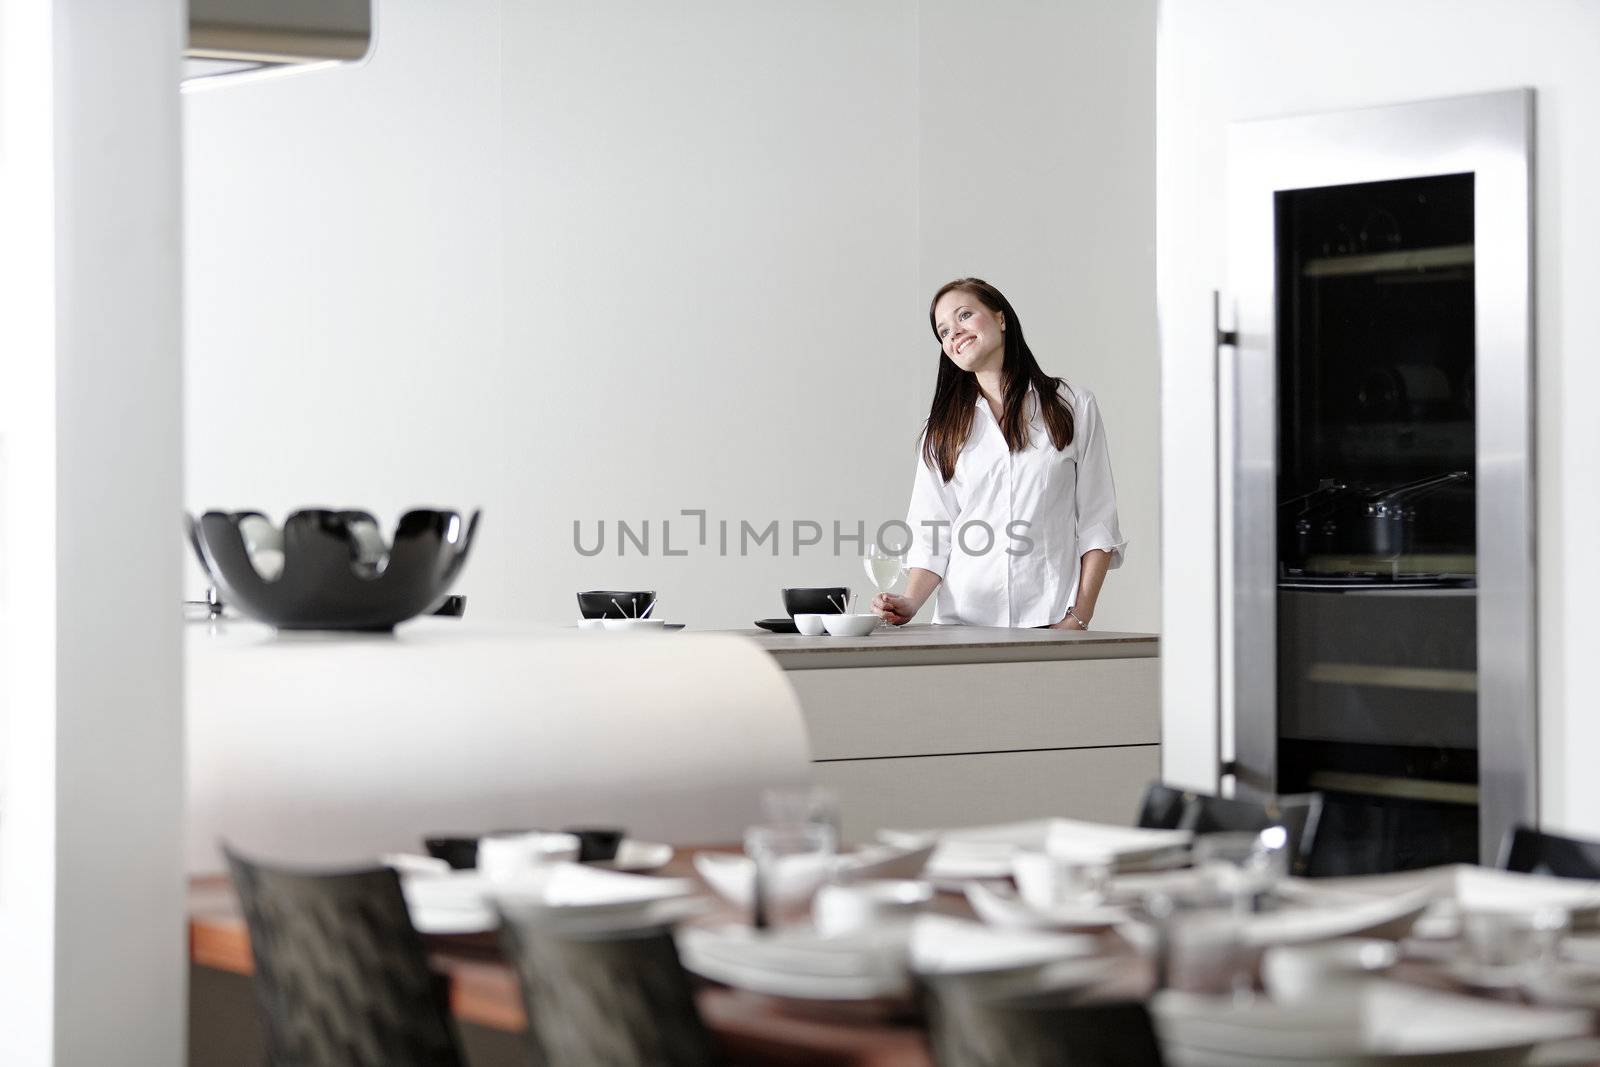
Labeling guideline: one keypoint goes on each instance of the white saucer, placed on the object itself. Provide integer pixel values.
(638, 856)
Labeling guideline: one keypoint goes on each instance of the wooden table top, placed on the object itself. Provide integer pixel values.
(483, 990)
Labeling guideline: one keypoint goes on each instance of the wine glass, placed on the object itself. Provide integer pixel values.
(884, 567)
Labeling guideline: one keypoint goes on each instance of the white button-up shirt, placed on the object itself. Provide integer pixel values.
(1008, 532)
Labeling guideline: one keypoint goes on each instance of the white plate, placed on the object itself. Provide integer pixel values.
(459, 902)
(1381, 1022)
(986, 851)
(944, 945)
(637, 856)
(998, 905)
(1390, 918)
(797, 963)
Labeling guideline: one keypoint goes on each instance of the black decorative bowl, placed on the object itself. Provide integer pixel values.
(829, 601)
(335, 573)
(597, 603)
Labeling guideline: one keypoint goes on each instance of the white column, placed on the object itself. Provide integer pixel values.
(91, 786)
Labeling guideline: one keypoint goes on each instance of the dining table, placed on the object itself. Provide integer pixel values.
(750, 1028)
(483, 993)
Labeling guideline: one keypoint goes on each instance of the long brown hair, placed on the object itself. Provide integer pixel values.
(955, 393)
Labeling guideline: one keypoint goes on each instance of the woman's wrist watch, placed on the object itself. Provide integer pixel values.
(1083, 624)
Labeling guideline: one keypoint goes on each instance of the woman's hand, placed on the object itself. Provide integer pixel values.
(895, 610)
(1070, 622)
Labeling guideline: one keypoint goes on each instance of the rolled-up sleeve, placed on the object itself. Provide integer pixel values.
(932, 518)
(1097, 492)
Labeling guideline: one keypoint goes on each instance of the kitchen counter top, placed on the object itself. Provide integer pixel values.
(918, 644)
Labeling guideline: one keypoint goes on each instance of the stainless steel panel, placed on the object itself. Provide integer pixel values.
(1490, 136)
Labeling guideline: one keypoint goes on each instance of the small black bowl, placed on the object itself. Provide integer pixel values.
(337, 574)
(596, 844)
(461, 853)
(597, 603)
(816, 601)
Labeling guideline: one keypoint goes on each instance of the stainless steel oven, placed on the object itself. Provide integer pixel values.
(1382, 473)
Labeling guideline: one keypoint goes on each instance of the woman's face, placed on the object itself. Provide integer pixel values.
(972, 335)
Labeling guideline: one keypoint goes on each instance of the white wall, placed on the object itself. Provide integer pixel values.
(613, 261)
(91, 706)
(1036, 172)
(1364, 52)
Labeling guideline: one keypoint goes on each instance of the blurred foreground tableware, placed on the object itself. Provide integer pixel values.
(776, 853)
(462, 901)
(798, 962)
(596, 843)
(731, 875)
(806, 805)
(1052, 879)
(1504, 949)
(1382, 1022)
(507, 857)
(986, 851)
(459, 851)
(1297, 973)
(334, 571)
(998, 905)
(871, 905)
(638, 856)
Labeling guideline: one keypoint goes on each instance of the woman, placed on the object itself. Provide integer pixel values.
(1013, 511)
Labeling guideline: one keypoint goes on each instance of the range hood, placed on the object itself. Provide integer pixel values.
(237, 40)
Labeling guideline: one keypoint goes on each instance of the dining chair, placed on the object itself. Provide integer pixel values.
(1532, 852)
(1162, 807)
(1297, 813)
(340, 974)
(970, 1024)
(604, 997)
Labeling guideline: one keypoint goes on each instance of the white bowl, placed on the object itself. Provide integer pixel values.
(634, 624)
(858, 625)
(505, 857)
(1295, 974)
(809, 623)
(591, 624)
(840, 910)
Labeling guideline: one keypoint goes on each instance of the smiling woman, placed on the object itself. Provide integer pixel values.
(1013, 510)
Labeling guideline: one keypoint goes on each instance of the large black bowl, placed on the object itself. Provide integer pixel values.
(330, 578)
(597, 603)
(829, 601)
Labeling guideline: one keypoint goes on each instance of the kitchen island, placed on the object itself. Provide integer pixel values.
(948, 725)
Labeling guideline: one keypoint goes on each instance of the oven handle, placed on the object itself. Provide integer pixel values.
(1220, 339)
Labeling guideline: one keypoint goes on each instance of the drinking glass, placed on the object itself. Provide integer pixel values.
(1508, 948)
(1246, 867)
(802, 806)
(884, 567)
(791, 862)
